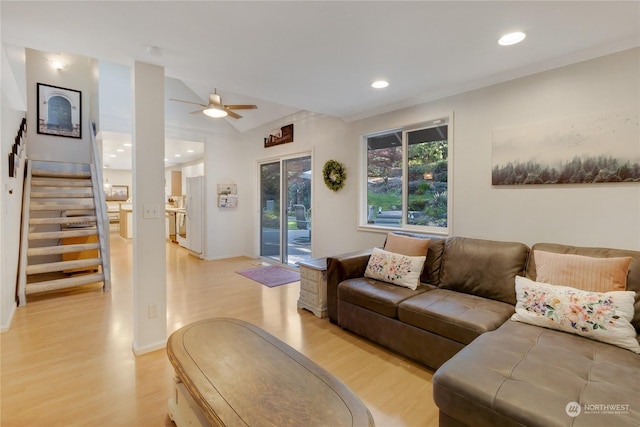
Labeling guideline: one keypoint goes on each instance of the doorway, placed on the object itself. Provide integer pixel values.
(285, 203)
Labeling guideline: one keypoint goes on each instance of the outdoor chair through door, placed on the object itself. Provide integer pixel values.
(302, 222)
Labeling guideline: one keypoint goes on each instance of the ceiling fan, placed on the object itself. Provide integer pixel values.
(216, 108)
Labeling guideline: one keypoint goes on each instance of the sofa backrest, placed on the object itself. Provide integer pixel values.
(485, 268)
(633, 278)
(431, 271)
(433, 263)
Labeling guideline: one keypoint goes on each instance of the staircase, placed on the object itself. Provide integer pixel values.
(64, 229)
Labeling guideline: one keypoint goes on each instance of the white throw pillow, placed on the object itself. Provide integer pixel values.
(401, 270)
(602, 316)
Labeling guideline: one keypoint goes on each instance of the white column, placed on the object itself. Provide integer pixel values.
(149, 263)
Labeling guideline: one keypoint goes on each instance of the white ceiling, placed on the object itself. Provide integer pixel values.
(322, 56)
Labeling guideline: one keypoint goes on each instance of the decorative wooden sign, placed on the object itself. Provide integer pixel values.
(281, 136)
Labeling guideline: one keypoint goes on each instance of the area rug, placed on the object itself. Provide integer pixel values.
(271, 276)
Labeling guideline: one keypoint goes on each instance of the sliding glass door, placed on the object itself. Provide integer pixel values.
(285, 202)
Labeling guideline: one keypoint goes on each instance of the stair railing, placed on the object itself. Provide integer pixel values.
(24, 236)
(101, 208)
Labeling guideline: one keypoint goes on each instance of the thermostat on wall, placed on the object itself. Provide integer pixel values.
(225, 189)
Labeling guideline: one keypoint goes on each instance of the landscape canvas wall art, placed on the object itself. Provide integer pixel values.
(587, 149)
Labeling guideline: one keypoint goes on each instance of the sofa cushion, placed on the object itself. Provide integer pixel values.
(602, 316)
(521, 374)
(377, 296)
(454, 315)
(485, 268)
(582, 272)
(633, 277)
(398, 269)
(431, 271)
(406, 245)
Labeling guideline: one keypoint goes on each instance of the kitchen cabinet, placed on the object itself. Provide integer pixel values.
(176, 183)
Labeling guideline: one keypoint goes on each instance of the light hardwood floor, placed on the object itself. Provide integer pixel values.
(67, 359)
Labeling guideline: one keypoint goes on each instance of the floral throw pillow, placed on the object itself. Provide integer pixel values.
(602, 316)
(395, 268)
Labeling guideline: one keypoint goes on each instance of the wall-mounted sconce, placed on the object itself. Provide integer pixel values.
(58, 64)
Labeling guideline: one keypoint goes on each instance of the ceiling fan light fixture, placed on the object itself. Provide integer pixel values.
(215, 112)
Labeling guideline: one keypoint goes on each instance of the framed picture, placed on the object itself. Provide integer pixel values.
(590, 149)
(59, 111)
(283, 135)
(117, 193)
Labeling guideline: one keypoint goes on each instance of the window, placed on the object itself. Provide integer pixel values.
(407, 178)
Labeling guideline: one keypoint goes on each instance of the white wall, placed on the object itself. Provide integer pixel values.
(334, 214)
(590, 215)
(226, 229)
(12, 109)
(119, 177)
(78, 76)
(11, 208)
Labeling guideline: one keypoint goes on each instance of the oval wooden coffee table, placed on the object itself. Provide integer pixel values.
(239, 375)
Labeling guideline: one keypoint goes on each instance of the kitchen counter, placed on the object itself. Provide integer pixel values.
(174, 210)
(171, 223)
(126, 220)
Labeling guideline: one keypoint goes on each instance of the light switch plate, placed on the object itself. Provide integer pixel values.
(151, 211)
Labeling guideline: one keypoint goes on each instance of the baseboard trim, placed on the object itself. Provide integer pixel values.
(217, 258)
(139, 351)
(6, 324)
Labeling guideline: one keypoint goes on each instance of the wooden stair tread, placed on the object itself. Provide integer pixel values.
(79, 232)
(67, 282)
(60, 207)
(63, 265)
(60, 174)
(80, 193)
(63, 220)
(62, 249)
(60, 182)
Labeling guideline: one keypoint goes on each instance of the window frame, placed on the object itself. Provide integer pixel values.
(363, 225)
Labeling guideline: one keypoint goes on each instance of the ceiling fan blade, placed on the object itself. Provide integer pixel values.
(232, 114)
(196, 112)
(187, 102)
(241, 107)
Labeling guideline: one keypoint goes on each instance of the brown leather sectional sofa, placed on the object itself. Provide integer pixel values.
(491, 371)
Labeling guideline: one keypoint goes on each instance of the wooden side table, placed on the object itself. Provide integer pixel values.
(313, 286)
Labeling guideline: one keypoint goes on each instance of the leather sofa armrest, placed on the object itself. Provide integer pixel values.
(339, 268)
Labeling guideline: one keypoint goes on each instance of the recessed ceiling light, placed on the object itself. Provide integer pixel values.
(380, 84)
(511, 38)
(154, 51)
(112, 155)
(166, 160)
(189, 151)
(120, 150)
(127, 145)
(177, 155)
